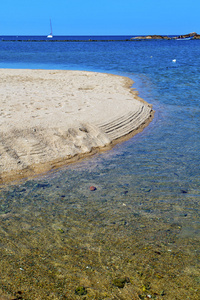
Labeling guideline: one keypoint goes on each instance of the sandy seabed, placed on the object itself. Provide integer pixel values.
(50, 117)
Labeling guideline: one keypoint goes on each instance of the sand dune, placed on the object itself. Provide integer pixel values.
(49, 118)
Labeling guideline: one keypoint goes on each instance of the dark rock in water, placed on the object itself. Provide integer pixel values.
(22, 190)
(43, 185)
(184, 191)
(93, 188)
(124, 192)
(18, 295)
(120, 282)
(146, 189)
(81, 290)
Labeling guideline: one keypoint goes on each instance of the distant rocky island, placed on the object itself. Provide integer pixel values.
(191, 36)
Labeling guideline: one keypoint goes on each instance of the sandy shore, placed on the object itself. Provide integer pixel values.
(49, 118)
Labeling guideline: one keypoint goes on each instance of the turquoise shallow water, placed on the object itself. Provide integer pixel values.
(155, 174)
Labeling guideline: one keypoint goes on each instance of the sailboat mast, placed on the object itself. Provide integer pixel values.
(51, 27)
(51, 34)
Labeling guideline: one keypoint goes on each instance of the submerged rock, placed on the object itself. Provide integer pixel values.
(81, 290)
(93, 188)
(120, 282)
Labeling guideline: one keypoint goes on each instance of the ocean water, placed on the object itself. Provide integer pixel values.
(148, 188)
(85, 38)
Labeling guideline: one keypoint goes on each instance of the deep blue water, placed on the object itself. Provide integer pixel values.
(68, 38)
(159, 165)
(65, 38)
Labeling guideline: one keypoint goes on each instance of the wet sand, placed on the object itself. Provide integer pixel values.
(50, 118)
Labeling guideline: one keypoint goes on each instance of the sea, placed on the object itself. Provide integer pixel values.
(60, 239)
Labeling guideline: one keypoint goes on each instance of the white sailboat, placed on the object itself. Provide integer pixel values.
(51, 33)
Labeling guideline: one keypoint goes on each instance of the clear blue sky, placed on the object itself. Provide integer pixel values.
(100, 17)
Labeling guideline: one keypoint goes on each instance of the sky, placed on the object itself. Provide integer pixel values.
(100, 17)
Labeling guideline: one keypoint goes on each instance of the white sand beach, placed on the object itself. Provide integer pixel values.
(49, 118)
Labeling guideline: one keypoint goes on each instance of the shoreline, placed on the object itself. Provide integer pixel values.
(52, 118)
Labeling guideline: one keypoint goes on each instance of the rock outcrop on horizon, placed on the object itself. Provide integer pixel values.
(192, 35)
(151, 37)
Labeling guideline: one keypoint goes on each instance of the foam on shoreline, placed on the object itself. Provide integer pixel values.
(49, 118)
